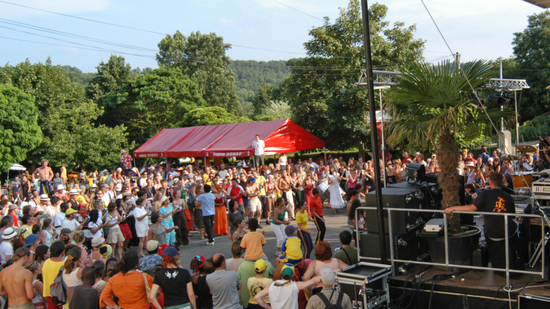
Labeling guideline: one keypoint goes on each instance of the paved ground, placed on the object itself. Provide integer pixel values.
(335, 224)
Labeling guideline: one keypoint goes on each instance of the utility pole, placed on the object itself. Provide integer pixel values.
(373, 136)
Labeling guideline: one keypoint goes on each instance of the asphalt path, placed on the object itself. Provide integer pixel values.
(335, 223)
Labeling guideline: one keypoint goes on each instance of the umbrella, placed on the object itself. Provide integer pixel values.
(15, 167)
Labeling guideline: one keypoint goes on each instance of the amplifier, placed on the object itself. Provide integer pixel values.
(541, 189)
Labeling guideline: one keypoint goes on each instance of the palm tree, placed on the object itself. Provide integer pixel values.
(435, 103)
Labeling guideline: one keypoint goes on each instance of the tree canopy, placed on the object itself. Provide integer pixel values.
(321, 89)
(211, 115)
(155, 100)
(533, 61)
(62, 110)
(202, 57)
(19, 129)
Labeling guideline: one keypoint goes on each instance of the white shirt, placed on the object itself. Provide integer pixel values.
(58, 219)
(259, 147)
(284, 294)
(69, 224)
(139, 212)
(88, 232)
(5, 249)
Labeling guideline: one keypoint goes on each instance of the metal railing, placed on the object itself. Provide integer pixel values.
(505, 216)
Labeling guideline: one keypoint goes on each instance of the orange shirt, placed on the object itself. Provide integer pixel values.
(253, 242)
(130, 290)
(317, 204)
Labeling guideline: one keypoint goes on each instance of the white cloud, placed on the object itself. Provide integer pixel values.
(24, 8)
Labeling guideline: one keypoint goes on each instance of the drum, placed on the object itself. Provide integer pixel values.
(522, 179)
(323, 186)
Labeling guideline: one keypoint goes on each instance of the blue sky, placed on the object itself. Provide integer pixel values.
(478, 29)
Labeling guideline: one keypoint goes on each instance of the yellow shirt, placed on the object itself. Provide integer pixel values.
(80, 199)
(28, 232)
(253, 242)
(293, 248)
(50, 269)
(260, 181)
(302, 218)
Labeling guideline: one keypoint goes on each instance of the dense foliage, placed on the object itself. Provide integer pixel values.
(321, 89)
(251, 75)
(532, 53)
(19, 130)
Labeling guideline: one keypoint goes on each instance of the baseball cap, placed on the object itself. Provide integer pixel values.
(170, 252)
(327, 276)
(65, 231)
(260, 265)
(289, 230)
(30, 240)
(287, 271)
(69, 212)
(152, 245)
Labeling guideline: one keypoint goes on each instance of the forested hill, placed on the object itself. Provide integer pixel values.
(250, 75)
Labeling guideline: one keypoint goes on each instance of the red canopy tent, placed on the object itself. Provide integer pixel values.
(229, 140)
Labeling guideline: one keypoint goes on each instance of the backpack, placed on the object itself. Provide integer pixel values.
(328, 305)
(58, 290)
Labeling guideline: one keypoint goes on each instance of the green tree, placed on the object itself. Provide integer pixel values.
(433, 103)
(212, 115)
(19, 130)
(203, 58)
(110, 78)
(321, 89)
(532, 53)
(278, 110)
(153, 101)
(62, 109)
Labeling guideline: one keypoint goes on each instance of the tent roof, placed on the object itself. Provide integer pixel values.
(229, 140)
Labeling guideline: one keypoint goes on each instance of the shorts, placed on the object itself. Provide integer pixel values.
(198, 220)
(254, 306)
(24, 306)
(255, 205)
(115, 236)
(141, 231)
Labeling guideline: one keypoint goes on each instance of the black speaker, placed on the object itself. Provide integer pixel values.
(402, 195)
(407, 246)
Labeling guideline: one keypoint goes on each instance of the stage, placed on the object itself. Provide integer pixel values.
(421, 287)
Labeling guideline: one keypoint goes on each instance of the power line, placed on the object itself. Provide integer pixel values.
(460, 68)
(68, 34)
(76, 47)
(83, 18)
(298, 10)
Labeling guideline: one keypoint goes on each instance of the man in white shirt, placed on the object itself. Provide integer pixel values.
(259, 147)
(70, 221)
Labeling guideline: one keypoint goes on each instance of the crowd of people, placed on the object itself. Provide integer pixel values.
(113, 236)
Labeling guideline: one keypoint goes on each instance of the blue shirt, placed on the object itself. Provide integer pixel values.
(207, 204)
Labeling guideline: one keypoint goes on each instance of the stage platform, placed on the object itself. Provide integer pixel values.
(423, 288)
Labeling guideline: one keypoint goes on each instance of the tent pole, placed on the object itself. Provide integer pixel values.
(325, 151)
